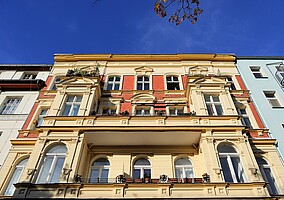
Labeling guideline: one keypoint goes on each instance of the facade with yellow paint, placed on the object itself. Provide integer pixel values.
(144, 126)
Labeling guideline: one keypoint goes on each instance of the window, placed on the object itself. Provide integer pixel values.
(143, 83)
(172, 83)
(176, 111)
(113, 83)
(57, 80)
(52, 165)
(41, 116)
(231, 164)
(270, 96)
(109, 111)
(230, 80)
(11, 105)
(141, 169)
(72, 105)
(213, 104)
(15, 177)
(245, 118)
(267, 176)
(29, 76)
(142, 111)
(99, 171)
(183, 168)
(256, 71)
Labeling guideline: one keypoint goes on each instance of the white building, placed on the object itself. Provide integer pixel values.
(264, 76)
(19, 85)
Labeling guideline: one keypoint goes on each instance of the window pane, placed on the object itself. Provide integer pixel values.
(66, 110)
(226, 170)
(139, 78)
(94, 176)
(147, 112)
(109, 86)
(15, 178)
(111, 78)
(136, 173)
(239, 171)
(138, 112)
(116, 86)
(175, 78)
(146, 78)
(78, 98)
(104, 176)
(146, 86)
(271, 180)
(274, 102)
(139, 86)
(101, 162)
(210, 109)
(45, 170)
(216, 98)
(57, 170)
(183, 161)
(117, 78)
(70, 98)
(188, 172)
(75, 110)
(169, 78)
(179, 173)
(207, 98)
(58, 149)
(142, 162)
(147, 172)
(226, 149)
(219, 109)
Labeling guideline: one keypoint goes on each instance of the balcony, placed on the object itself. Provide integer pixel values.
(134, 190)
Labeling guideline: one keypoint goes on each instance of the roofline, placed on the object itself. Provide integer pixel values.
(143, 57)
(260, 57)
(26, 67)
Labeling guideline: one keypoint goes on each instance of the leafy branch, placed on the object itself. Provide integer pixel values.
(186, 9)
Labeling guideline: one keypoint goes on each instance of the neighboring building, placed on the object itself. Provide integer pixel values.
(143, 126)
(19, 85)
(264, 77)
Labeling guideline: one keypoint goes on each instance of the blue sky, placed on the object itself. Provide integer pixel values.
(32, 31)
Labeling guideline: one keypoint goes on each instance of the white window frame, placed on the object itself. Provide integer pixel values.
(109, 110)
(55, 157)
(100, 170)
(272, 98)
(143, 82)
(213, 104)
(143, 110)
(72, 104)
(10, 105)
(142, 168)
(233, 173)
(176, 111)
(29, 76)
(183, 168)
(15, 179)
(173, 81)
(230, 80)
(114, 82)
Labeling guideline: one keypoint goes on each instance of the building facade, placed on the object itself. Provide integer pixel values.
(144, 126)
(19, 86)
(264, 77)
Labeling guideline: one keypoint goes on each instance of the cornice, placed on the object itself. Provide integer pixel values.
(144, 57)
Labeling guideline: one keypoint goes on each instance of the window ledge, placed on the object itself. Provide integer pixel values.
(264, 77)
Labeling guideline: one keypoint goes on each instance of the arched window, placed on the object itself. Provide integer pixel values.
(183, 168)
(113, 83)
(99, 171)
(52, 165)
(143, 83)
(141, 169)
(15, 177)
(231, 164)
(267, 176)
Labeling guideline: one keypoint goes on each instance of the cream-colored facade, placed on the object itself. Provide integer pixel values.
(145, 126)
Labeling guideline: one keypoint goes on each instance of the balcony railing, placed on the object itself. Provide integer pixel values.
(140, 180)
